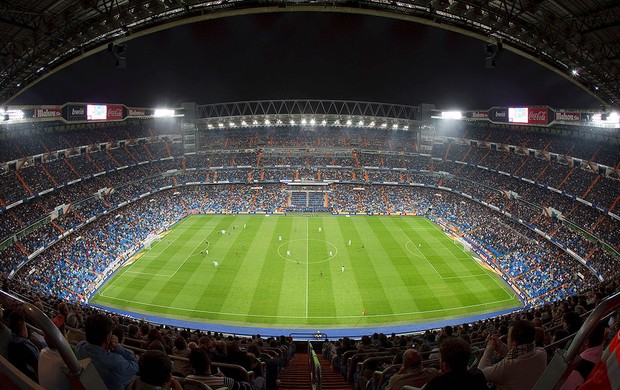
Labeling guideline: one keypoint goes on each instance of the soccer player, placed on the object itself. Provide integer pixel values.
(216, 264)
(343, 268)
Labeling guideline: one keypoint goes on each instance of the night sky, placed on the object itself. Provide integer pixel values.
(308, 56)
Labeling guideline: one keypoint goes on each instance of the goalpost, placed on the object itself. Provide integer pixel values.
(150, 239)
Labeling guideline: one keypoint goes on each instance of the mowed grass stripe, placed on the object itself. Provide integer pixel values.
(258, 284)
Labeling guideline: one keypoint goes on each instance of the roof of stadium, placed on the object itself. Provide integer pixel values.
(579, 40)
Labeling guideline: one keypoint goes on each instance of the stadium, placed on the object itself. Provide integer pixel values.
(290, 227)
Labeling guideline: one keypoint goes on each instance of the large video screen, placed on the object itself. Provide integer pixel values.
(517, 115)
(96, 112)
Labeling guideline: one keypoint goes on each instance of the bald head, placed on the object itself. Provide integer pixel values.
(411, 358)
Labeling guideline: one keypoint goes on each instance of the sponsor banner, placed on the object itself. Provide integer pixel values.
(538, 115)
(48, 112)
(136, 111)
(480, 114)
(114, 112)
(568, 116)
(74, 112)
(498, 115)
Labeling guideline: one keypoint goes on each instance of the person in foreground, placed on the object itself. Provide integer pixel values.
(411, 372)
(454, 354)
(116, 365)
(522, 366)
(155, 373)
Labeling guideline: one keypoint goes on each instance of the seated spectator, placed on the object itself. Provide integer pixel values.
(524, 363)
(74, 335)
(180, 349)
(52, 368)
(591, 355)
(201, 363)
(115, 365)
(155, 373)
(604, 375)
(411, 372)
(23, 354)
(454, 354)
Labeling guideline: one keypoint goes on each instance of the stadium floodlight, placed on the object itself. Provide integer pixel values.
(406, 127)
(451, 115)
(324, 122)
(292, 122)
(574, 72)
(312, 122)
(163, 113)
(383, 125)
(395, 126)
(244, 123)
(209, 126)
(255, 122)
(220, 125)
(303, 121)
(279, 122)
(371, 124)
(267, 122)
(349, 122)
(337, 122)
(231, 124)
(360, 123)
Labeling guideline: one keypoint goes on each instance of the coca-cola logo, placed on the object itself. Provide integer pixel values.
(567, 116)
(77, 111)
(47, 113)
(538, 116)
(479, 114)
(115, 112)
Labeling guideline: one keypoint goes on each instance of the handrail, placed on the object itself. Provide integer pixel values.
(558, 369)
(47, 326)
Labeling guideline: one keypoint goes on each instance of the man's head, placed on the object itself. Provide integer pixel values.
(521, 332)
(411, 358)
(155, 368)
(454, 354)
(17, 323)
(199, 359)
(98, 329)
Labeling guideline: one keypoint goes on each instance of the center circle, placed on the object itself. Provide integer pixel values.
(296, 258)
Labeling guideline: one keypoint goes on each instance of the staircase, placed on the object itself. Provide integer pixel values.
(297, 375)
(331, 380)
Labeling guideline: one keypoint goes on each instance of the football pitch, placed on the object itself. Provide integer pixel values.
(302, 271)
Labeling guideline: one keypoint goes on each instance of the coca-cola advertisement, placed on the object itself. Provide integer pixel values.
(48, 112)
(498, 114)
(114, 112)
(538, 115)
(568, 116)
(74, 112)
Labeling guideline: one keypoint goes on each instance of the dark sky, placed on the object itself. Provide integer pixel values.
(308, 55)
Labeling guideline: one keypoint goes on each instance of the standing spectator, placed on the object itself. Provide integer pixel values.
(411, 372)
(524, 363)
(454, 354)
(115, 365)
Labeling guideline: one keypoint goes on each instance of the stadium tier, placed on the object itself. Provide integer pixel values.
(324, 232)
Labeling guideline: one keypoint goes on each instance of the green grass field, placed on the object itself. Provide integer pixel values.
(399, 269)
